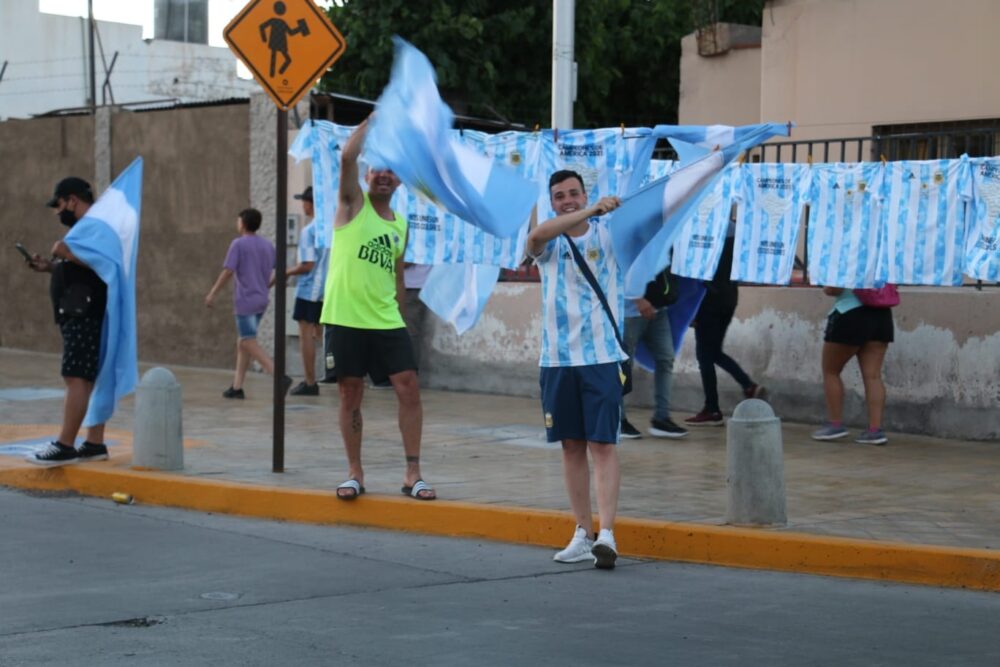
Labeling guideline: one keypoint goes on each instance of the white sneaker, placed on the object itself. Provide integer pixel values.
(577, 550)
(605, 550)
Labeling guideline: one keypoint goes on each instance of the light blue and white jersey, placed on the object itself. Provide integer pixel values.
(845, 234)
(769, 199)
(699, 245)
(923, 212)
(658, 169)
(601, 157)
(576, 330)
(982, 248)
(310, 285)
(319, 141)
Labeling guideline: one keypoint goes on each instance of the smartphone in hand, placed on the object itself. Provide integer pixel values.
(24, 252)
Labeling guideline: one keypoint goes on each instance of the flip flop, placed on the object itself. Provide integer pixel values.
(354, 486)
(415, 490)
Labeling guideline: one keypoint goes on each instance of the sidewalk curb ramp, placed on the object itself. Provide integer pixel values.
(766, 549)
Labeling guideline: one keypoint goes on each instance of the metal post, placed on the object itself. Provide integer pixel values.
(93, 66)
(278, 459)
(563, 84)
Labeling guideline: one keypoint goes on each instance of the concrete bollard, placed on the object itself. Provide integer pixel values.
(755, 473)
(158, 442)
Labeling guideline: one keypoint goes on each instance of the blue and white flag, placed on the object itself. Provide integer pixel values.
(982, 249)
(106, 239)
(770, 200)
(681, 314)
(699, 244)
(694, 141)
(924, 221)
(412, 134)
(646, 225)
(457, 293)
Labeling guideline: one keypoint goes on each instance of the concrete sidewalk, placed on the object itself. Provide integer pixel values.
(489, 451)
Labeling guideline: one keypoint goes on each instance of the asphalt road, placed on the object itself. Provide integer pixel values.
(88, 582)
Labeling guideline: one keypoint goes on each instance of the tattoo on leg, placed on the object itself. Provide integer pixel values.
(356, 421)
(413, 459)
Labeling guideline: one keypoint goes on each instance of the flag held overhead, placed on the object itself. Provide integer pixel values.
(410, 134)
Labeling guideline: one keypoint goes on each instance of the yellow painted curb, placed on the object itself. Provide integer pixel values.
(717, 545)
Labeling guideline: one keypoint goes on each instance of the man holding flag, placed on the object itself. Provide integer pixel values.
(580, 375)
(79, 299)
(364, 296)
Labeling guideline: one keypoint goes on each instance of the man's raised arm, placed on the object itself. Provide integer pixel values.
(349, 195)
(553, 227)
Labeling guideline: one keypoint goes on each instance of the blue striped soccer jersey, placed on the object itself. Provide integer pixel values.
(845, 235)
(769, 199)
(576, 330)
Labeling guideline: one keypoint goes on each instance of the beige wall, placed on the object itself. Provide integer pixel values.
(940, 378)
(840, 67)
(196, 179)
(64, 146)
(719, 90)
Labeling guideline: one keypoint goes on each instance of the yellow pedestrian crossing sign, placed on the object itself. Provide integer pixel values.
(286, 44)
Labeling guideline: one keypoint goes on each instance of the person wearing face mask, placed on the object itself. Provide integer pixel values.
(79, 298)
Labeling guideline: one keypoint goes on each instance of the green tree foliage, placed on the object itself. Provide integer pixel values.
(494, 57)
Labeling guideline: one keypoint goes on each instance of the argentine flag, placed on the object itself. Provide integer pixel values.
(694, 141)
(457, 293)
(107, 240)
(644, 228)
(411, 134)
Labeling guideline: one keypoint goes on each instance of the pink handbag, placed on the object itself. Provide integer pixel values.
(882, 297)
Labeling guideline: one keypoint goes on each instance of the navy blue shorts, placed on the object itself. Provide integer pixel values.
(582, 402)
(307, 311)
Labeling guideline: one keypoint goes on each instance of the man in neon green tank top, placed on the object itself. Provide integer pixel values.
(364, 293)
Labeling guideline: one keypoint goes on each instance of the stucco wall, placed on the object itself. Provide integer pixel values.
(63, 146)
(196, 179)
(722, 89)
(941, 379)
(840, 68)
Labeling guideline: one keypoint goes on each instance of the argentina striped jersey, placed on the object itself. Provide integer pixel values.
(310, 285)
(769, 198)
(699, 244)
(982, 251)
(923, 211)
(845, 236)
(576, 330)
(599, 156)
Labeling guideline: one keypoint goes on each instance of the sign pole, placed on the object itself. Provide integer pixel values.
(287, 45)
(281, 233)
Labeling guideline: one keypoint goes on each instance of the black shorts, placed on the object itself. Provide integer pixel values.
(307, 311)
(81, 347)
(381, 352)
(859, 326)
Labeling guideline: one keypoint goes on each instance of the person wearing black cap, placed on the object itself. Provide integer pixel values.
(311, 270)
(79, 298)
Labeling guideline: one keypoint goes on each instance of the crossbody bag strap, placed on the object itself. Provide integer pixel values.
(589, 275)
